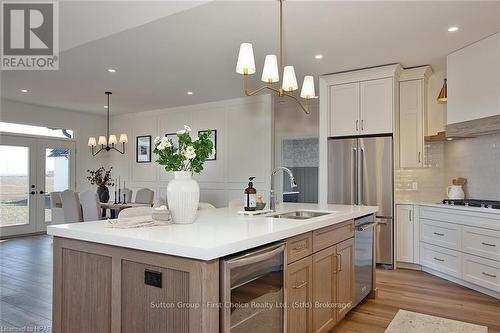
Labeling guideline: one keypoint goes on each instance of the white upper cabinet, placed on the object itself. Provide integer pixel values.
(411, 119)
(344, 110)
(412, 116)
(474, 81)
(377, 106)
(359, 102)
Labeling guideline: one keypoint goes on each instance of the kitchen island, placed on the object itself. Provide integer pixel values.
(168, 278)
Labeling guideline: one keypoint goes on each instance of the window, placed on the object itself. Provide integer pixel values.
(36, 130)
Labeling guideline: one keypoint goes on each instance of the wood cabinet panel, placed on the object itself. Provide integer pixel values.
(299, 247)
(299, 295)
(324, 289)
(345, 277)
(376, 106)
(86, 293)
(147, 308)
(328, 236)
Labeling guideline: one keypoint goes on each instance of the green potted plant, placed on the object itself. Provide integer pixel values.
(184, 159)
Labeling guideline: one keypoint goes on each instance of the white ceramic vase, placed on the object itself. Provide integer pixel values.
(183, 196)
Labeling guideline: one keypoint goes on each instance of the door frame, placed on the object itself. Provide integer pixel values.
(36, 176)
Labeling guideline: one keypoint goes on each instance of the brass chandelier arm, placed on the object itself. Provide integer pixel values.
(306, 111)
(251, 93)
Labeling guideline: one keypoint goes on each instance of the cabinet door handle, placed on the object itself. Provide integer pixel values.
(302, 284)
(488, 244)
(419, 157)
(438, 259)
(362, 124)
(357, 123)
(409, 215)
(490, 275)
(438, 234)
(339, 262)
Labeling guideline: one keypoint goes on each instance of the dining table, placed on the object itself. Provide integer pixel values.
(115, 208)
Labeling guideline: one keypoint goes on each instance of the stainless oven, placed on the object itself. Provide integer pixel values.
(252, 291)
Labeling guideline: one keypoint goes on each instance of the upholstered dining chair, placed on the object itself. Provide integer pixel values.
(56, 210)
(144, 196)
(128, 194)
(71, 207)
(90, 206)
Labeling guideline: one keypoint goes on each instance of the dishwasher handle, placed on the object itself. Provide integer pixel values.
(252, 258)
(366, 226)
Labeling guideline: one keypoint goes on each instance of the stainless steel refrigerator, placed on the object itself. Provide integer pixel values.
(360, 172)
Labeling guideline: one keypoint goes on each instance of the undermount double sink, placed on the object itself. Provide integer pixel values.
(299, 215)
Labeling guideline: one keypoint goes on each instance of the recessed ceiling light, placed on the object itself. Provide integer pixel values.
(449, 139)
(318, 56)
(24, 90)
(189, 92)
(111, 70)
(452, 29)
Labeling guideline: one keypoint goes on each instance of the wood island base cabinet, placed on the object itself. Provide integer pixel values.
(320, 284)
(103, 288)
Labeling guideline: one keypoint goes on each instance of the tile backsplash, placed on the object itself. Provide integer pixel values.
(476, 159)
(425, 184)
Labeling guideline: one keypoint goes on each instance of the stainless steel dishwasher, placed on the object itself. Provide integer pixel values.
(252, 291)
(363, 269)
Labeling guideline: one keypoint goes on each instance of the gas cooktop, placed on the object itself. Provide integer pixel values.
(473, 203)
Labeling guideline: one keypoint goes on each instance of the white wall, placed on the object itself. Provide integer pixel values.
(83, 124)
(244, 146)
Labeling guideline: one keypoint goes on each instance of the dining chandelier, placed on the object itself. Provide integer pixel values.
(270, 73)
(108, 142)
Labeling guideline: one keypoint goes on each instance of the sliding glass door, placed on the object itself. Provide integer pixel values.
(31, 168)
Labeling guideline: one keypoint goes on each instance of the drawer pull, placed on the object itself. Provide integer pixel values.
(302, 284)
(490, 275)
(438, 234)
(488, 244)
(299, 247)
(438, 259)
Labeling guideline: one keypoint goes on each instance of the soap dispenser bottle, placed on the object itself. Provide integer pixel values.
(250, 196)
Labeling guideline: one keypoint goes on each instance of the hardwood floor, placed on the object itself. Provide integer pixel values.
(26, 294)
(26, 284)
(423, 293)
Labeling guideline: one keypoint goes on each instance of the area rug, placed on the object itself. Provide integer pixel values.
(412, 322)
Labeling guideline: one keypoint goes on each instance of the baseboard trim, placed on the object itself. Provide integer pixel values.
(24, 235)
(462, 282)
(406, 265)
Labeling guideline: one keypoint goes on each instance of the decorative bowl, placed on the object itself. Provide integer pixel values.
(260, 205)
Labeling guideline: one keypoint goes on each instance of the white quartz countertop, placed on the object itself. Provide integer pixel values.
(216, 232)
(454, 207)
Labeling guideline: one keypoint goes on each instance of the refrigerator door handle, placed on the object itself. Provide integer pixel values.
(354, 192)
(361, 176)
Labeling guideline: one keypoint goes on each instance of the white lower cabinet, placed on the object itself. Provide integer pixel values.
(404, 233)
(467, 251)
(483, 272)
(441, 259)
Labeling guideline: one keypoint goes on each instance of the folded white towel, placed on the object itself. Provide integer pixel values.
(135, 222)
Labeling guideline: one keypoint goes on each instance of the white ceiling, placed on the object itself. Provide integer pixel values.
(195, 48)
